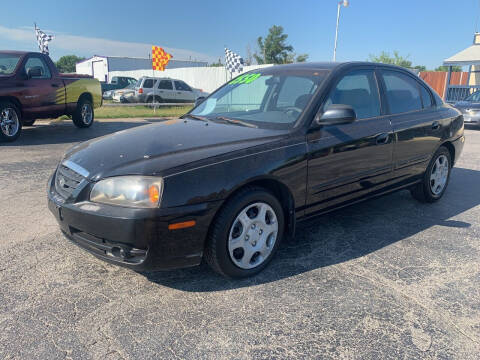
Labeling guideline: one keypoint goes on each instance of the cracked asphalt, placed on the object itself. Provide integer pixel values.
(385, 279)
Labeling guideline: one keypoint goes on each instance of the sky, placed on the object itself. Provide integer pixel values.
(426, 31)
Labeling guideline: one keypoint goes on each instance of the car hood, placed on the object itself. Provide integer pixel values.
(158, 149)
(467, 105)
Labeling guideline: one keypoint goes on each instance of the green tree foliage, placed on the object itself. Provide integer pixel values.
(66, 64)
(217, 64)
(420, 68)
(445, 68)
(396, 59)
(275, 50)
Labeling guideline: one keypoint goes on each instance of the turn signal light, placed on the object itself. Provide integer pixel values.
(153, 194)
(181, 225)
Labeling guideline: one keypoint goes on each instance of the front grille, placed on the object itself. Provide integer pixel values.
(66, 181)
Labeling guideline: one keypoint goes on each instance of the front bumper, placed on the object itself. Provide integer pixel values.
(135, 238)
(471, 119)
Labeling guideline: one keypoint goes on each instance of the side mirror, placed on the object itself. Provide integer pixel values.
(336, 114)
(199, 100)
(35, 71)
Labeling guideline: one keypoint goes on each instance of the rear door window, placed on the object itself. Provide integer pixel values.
(359, 90)
(402, 92)
(165, 85)
(426, 97)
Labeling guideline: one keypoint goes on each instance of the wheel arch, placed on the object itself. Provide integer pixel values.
(278, 189)
(451, 150)
(86, 95)
(15, 101)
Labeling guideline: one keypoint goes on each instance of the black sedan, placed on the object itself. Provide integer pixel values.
(230, 179)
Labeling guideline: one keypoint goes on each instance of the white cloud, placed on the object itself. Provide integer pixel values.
(88, 46)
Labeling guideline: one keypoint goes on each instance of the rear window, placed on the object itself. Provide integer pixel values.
(403, 94)
(148, 83)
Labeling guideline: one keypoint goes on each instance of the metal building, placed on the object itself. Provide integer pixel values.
(100, 67)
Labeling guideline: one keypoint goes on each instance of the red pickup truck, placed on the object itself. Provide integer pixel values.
(32, 88)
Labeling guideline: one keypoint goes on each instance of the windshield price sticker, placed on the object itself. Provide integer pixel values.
(245, 79)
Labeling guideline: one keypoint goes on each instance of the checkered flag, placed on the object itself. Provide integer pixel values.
(233, 62)
(43, 40)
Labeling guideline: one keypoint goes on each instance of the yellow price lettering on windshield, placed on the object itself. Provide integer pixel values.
(245, 79)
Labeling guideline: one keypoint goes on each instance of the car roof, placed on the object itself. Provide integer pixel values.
(15, 52)
(329, 65)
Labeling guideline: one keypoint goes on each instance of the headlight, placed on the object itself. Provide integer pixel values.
(129, 191)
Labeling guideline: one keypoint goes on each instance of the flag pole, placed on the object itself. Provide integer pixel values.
(153, 76)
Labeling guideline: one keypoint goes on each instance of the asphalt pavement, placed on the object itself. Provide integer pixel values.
(388, 278)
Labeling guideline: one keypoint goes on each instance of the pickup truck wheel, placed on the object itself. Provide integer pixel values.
(28, 122)
(435, 179)
(245, 234)
(10, 123)
(83, 116)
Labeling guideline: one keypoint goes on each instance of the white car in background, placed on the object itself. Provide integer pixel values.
(165, 90)
(124, 95)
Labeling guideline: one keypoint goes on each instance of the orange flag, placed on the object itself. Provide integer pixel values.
(160, 58)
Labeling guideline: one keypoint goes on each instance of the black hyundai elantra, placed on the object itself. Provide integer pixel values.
(228, 181)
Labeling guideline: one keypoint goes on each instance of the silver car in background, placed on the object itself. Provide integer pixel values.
(470, 108)
(165, 90)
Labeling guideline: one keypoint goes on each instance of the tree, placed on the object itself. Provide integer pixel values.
(445, 68)
(66, 64)
(274, 49)
(420, 67)
(302, 58)
(385, 58)
(217, 64)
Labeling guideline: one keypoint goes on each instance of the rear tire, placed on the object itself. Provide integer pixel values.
(245, 234)
(10, 122)
(84, 115)
(436, 178)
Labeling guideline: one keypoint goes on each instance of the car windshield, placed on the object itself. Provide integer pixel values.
(473, 97)
(263, 99)
(8, 63)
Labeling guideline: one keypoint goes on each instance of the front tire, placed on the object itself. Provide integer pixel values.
(84, 114)
(435, 179)
(10, 122)
(245, 234)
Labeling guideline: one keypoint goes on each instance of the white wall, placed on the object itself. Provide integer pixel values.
(206, 78)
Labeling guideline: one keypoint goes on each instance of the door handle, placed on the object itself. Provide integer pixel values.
(178, 92)
(55, 85)
(382, 139)
(435, 125)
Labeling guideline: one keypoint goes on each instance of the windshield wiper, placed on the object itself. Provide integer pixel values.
(237, 122)
(195, 117)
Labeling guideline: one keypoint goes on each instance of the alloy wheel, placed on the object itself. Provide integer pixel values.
(9, 122)
(253, 235)
(87, 113)
(439, 175)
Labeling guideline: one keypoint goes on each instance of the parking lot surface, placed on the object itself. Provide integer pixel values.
(385, 279)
